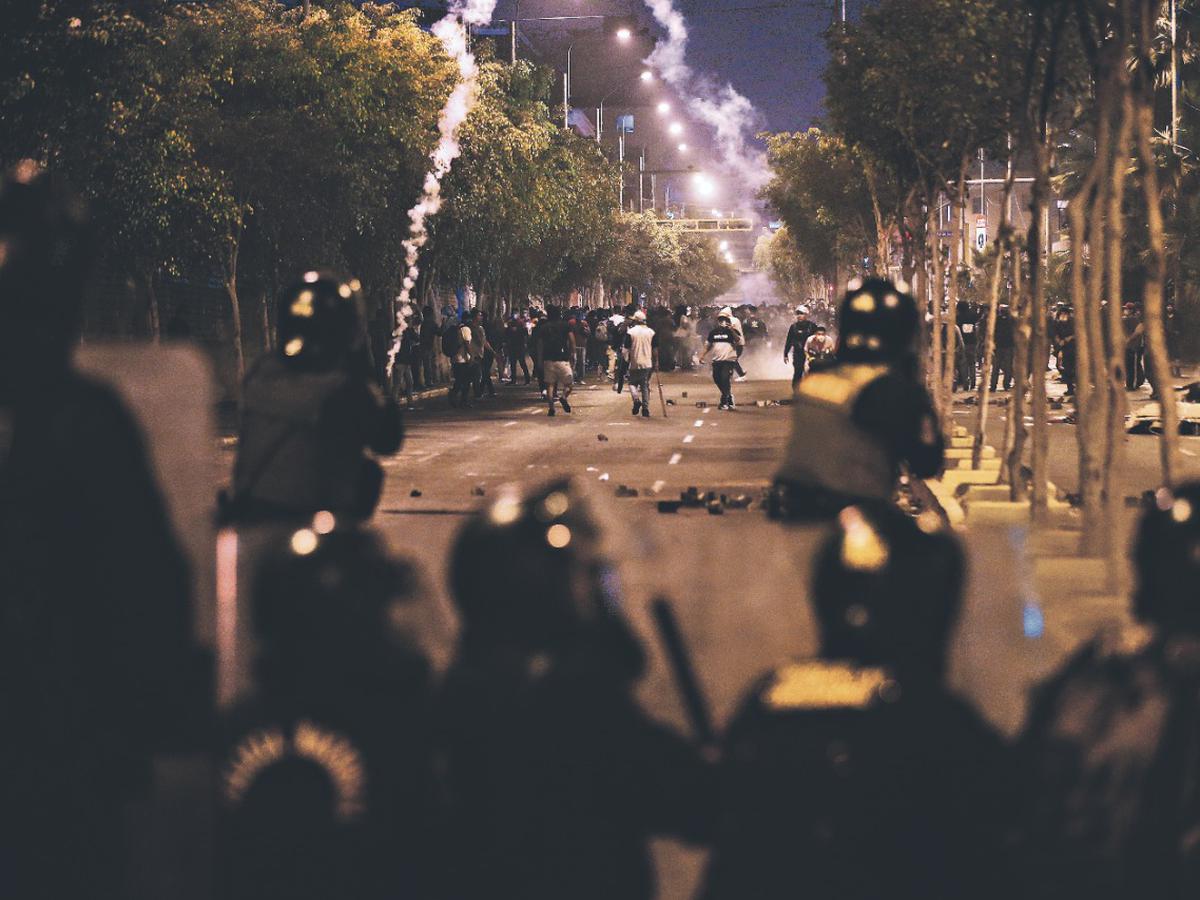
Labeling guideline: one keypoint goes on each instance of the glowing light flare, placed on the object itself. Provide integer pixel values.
(683, 148)
(663, 108)
(624, 34)
(675, 128)
(647, 76)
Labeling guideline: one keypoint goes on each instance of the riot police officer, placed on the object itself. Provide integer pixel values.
(97, 666)
(311, 408)
(856, 774)
(558, 779)
(326, 775)
(1115, 735)
(855, 423)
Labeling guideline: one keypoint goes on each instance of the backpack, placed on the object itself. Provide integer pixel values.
(451, 338)
(601, 332)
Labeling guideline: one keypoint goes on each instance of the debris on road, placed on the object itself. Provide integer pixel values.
(670, 403)
(477, 491)
(701, 404)
(668, 506)
(624, 491)
(414, 493)
(715, 507)
(602, 437)
(691, 497)
(604, 476)
(684, 395)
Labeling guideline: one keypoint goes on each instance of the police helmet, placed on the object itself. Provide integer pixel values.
(887, 589)
(529, 569)
(46, 245)
(877, 322)
(321, 319)
(330, 594)
(1167, 556)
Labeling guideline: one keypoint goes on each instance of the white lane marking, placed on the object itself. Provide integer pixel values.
(535, 411)
(687, 439)
(1185, 451)
(705, 411)
(699, 423)
(614, 424)
(658, 486)
(592, 469)
(675, 458)
(428, 456)
(509, 424)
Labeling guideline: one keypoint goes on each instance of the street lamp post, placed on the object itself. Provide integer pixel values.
(645, 75)
(623, 35)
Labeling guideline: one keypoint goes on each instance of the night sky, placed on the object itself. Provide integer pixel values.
(774, 56)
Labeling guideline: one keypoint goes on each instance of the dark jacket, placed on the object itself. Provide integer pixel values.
(558, 778)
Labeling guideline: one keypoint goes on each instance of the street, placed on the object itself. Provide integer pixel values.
(738, 580)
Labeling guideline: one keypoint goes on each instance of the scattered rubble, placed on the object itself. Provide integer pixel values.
(414, 493)
(625, 491)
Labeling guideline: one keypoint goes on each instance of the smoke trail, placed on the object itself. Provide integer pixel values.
(452, 32)
(732, 117)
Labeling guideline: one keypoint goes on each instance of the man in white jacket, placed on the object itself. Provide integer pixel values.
(641, 351)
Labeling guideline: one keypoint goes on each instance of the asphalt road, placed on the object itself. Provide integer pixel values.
(738, 581)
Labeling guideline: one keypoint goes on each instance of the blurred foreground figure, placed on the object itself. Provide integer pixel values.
(96, 662)
(857, 774)
(326, 778)
(1115, 736)
(311, 408)
(558, 778)
(855, 423)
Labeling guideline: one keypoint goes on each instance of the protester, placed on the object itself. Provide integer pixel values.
(724, 343)
(556, 349)
(642, 350)
(797, 338)
(456, 344)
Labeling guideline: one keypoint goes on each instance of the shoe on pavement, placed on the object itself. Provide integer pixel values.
(565, 405)
(637, 407)
(551, 411)
(645, 412)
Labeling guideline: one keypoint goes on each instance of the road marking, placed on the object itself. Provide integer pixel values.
(699, 423)
(705, 411)
(472, 439)
(1184, 450)
(675, 458)
(535, 411)
(592, 469)
(658, 486)
(687, 439)
(509, 424)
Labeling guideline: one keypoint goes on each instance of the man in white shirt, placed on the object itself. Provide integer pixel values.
(724, 344)
(641, 351)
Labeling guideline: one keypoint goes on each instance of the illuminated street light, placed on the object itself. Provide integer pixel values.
(705, 187)
(624, 34)
(729, 258)
(647, 76)
(676, 128)
(724, 245)
(683, 148)
(663, 108)
(716, 213)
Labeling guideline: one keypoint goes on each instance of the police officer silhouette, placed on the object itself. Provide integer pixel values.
(558, 779)
(857, 774)
(326, 776)
(97, 666)
(855, 423)
(310, 410)
(1114, 736)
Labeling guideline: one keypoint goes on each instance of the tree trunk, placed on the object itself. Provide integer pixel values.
(1002, 244)
(1039, 347)
(937, 284)
(1015, 432)
(152, 307)
(1156, 263)
(235, 305)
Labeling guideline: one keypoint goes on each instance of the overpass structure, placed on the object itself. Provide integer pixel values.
(708, 225)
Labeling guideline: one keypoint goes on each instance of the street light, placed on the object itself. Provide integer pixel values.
(622, 34)
(705, 187)
(676, 128)
(663, 108)
(723, 246)
(683, 148)
(647, 76)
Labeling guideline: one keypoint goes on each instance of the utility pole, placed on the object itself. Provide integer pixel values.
(513, 31)
(621, 166)
(642, 181)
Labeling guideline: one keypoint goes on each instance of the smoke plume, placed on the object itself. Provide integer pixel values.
(452, 32)
(732, 117)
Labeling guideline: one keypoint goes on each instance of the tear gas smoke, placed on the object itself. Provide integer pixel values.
(451, 30)
(732, 117)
